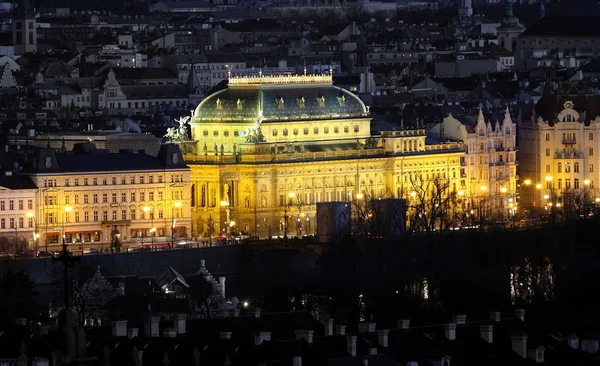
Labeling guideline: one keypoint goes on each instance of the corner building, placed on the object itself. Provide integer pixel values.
(267, 147)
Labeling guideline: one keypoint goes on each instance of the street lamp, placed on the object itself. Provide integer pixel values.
(226, 205)
(291, 195)
(64, 234)
(36, 235)
(175, 205)
(147, 210)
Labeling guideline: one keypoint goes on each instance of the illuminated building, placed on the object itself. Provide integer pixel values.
(489, 168)
(98, 199)
(558, 153)
(17, 197)
(268, 148)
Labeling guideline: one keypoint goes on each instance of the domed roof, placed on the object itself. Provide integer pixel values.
(280, 98)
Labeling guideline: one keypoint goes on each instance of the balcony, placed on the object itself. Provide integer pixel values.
(569, 141)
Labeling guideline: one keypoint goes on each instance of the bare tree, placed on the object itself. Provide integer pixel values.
(88, 294)
(433, 206)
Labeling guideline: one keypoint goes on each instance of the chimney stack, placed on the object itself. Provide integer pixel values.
(450, 331)
(179, 323)
(382, 337)
(221, 285)
(495, 316)
(20, 321)
(364, 327)
(305, 334)
(257, 311)
(170, 333)
(119, 328)
(225, 335)
(519, 343)
(459, 319)
(573, 341)
(373, 351)
(487, 332)
(403, 323)
(329, 327)
(340, 330)
(132, 332)
(351, 345)
(260, 337)
(297, 361)
(151, 326)
(520, 313)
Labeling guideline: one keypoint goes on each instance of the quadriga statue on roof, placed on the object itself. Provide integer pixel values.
(178, 133)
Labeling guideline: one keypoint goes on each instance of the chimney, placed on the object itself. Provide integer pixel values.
(519, 343)
(382, 337)
(403, 323)
(487, 332)
(235, 311)
(121, 289)
(450, 331)
(459, 319)
(412, 363)
(222, 285)
(520, 313)
(297, 361)
(170, 333)
(351, 345)
(340, 330)
(589, 345)
(179, 323)
(373, 351)
(260, 337)
(329, 327)
(305, 334)
(132, 333)
(20, 321)
(40, 362)
(573, 341)
(225, 335)
(495, 316)
(151, 326)
(119, 328)
(202, 265)
(537, 354)
(364, 327)
(365, 362)
(257, 311)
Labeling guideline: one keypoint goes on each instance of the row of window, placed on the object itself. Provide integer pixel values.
(20, 205)
(576, 184)
(316, 130)
(570, 151)
(52, 200)
(141, 179)
(96, 216)
(567, 168)
(12, 223)
(571, 136)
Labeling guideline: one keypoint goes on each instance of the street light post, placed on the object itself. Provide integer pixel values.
(291, 195)
(36, 235)
(227, 212)
(64, 234)
(152, 229)
(175, 205)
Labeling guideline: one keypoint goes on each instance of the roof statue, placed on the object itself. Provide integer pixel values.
(179, 133)
(252, 135)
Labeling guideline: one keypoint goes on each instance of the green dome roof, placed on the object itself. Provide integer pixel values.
(284, 101)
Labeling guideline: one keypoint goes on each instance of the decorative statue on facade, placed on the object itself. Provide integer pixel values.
(179, 133)
(252, 135)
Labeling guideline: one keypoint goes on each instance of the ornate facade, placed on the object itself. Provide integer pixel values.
(489, 168)
(558, 154)
(267, 148)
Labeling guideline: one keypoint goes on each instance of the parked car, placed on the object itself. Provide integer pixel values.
(44, 254)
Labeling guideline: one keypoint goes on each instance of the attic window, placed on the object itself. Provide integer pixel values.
(301, 102)
(321, 101)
